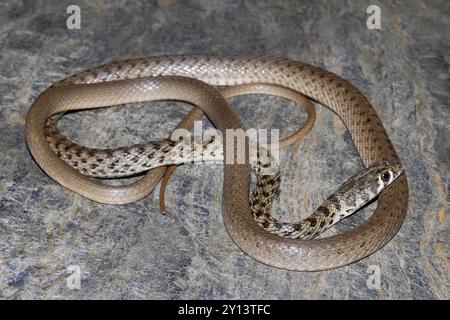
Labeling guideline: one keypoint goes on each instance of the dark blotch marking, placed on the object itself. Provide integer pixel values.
(156, 145)
(141, 149)
(258, 213)
(266, 165)
(324, 210)
(337, 205)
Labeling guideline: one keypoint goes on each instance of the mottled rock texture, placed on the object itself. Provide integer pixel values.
(131, 251)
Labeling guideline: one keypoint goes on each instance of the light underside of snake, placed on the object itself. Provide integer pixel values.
(97, 88)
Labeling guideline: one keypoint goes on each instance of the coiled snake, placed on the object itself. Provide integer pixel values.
(138, 80)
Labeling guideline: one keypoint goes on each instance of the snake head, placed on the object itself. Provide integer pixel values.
(368, 183)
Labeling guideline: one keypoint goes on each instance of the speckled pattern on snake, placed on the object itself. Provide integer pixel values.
(134, 80)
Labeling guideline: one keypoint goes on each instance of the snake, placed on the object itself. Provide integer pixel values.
(357, 191)
(192, 78)
(132, 160)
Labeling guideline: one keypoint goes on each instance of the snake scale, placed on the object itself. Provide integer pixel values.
(138, 80)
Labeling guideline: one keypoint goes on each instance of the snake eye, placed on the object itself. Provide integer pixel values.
(386, 176)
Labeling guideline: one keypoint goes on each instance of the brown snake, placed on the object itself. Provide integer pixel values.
(96, 88)
(131, 160)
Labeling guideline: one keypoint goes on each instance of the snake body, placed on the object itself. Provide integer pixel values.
(131, 160)
(357, 191)
(128, 81)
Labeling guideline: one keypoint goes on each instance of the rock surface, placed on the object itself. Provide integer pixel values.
(131, 251)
